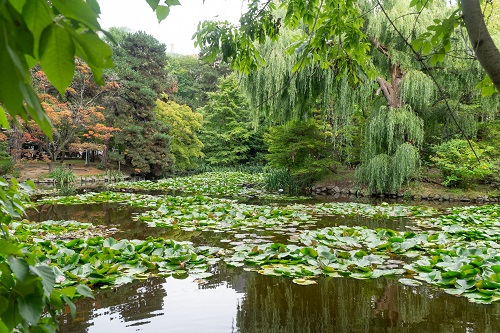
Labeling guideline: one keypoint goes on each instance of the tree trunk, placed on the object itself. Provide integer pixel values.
(485, 49)
(389, 89)
(15, 143)
(104, 159)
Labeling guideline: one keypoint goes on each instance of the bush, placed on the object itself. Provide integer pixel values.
(303, 148)
(64, 180)
(280, 180)
(459, 165)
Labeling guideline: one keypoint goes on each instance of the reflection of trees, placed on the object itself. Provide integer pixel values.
(347, 305)
(131, 303)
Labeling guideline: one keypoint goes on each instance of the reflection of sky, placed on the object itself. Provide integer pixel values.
(186, 308)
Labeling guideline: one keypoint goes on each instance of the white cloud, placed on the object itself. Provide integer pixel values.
(179, 26)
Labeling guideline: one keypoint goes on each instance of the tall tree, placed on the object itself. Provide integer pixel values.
(194, 79)
(227, 134)
(143, 141)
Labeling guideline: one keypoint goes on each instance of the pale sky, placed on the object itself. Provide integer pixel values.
(179, 26)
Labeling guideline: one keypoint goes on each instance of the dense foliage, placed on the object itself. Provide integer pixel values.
(140, 62)
(459, 165)
(184, 124)
(227, 133)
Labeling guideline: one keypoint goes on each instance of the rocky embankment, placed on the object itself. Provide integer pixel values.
(336, 191)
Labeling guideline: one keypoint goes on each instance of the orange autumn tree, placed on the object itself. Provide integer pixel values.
(96, 138)
(76, 117)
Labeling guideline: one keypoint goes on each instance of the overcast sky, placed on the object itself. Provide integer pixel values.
(179, 26)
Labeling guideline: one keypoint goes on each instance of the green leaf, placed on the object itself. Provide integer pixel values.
(153, 4)
(4, 304)
(7, 248)
(19, 267)
(69, 291)
(410, 282)
(173, 2)
(31, 308)
(426, 47)
(3, 118)
(57, 52)
(93, 49)
(37, 16)
(162, 12)
(94, 5)
(10, 95)
(48, 277)
(72, 307)
(84, 290)
(17, 4)
(304, 282)
(3, 327)
(78, 10)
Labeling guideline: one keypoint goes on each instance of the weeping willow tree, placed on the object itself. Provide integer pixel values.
(391, 155)
(418, 94)
(402, 93)
(279, 94)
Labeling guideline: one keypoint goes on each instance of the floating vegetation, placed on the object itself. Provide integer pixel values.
(104, 262)
(51, 230)
(219, 184)
(456, 250)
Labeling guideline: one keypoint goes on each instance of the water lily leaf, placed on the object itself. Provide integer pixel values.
(304, 282)
(410, 282)
(123, 280)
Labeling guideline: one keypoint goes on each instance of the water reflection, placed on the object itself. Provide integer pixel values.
(157, 305)
(246, 302)
(234, 300)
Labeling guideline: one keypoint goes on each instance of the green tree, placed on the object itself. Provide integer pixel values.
(227, 134)
(140, 62)
(184, 125)
(194, 79)
(302, 147)
(51, 33)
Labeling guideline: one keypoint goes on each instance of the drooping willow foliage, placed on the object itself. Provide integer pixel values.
(345, 113)
(417, 90)
(390, 155)
(279, 93)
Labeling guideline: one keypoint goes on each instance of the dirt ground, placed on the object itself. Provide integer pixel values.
(38, 170)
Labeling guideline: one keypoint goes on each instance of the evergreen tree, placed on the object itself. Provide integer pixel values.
(228, 135)
(140, 62)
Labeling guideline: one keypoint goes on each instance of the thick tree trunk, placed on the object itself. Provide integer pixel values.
(485, 49)
(389, 89)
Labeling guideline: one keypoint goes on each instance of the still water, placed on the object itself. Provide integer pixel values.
(235, 300)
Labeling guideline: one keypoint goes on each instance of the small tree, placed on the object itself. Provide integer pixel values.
(302, 147)
(184, 125)
(459, 165)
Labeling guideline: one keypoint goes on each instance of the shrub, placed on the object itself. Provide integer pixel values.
(280, 180)
(64, 180)
(459, 165)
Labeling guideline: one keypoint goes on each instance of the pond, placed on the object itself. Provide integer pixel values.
(398, 290)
